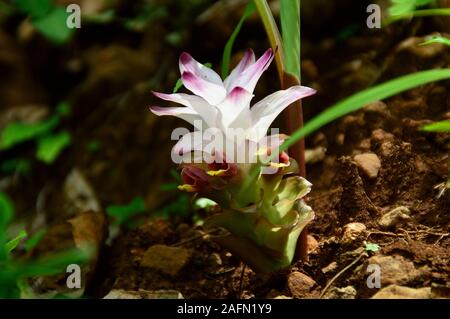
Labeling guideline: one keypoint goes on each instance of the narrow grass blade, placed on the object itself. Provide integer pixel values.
(273, 34)
(441, 127)
(249, 9)
(290, 30)
(441, 40)
(365, 97)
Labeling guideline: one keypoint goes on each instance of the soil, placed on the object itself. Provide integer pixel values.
(111, 91)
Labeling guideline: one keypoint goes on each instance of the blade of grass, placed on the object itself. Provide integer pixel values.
(359, 100)
(441, 40)
(272, 33)
(418, 14)
(12, 244)
(249, 9)
(441, 127)
(354, 103)
(290, 30)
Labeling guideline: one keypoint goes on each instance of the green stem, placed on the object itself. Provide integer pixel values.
(419, 13)
(272, 33)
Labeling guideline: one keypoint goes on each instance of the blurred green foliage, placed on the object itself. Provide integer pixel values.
(437, 39)
(401, 7)
(249, 10)
(49, 143)
(440, 127)
(50, 20)
(12, 272)
(50, 146)
(19, 166)
(123, 213)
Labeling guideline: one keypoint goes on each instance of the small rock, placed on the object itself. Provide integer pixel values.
(79, 193)
(368, 163)
(394, 269)
(352, 231)
(143, 294)
(215, 260)
(348, 292)
(282, 297)
(380, 136)
(376, 107)
(315, 155)
(169, 260)
(331, 267)
(312, 243)
(340, 138)
(300, 284)
(400, 292)
(395, 217)
(364, 144)
(421, 51)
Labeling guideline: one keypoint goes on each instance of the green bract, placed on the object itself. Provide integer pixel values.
(265, 233)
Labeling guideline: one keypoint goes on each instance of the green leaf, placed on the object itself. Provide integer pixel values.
(179, 207)
(441, 127)
(273, 34)
(372, 247)
(177, 86)
(123, 213)
(249, 9)
(290, 31)
(54, 26)
(442, 40)
(33, 240)
(34, 8)
(50, 146)
(18, 132)
(63, 109)
(101, 18)
(12, 244)
(360, 99)
(20, 166)
(93, 145)
(54, 264)
(6, 212)
(168, 187)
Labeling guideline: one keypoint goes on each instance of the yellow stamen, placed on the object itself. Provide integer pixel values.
(219, 172)
(187, 188)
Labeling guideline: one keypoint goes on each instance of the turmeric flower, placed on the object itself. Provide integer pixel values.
(263, 215)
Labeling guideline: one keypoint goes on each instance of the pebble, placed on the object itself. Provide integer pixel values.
(312, 243)
(352, 231)
(401, 292)
(300, 284)
(143, 294)
(368, 163)
(168, 260)
(331, 267)
(348, 292)
(395, 269)
(395, 217)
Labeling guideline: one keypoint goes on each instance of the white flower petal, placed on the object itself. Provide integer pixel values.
(184, 113)
(247, 60)
(189, 64)
(211, 92)
(207, 112)
(265, 111)
(235, 103)
(188, 143)
(250, 76)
